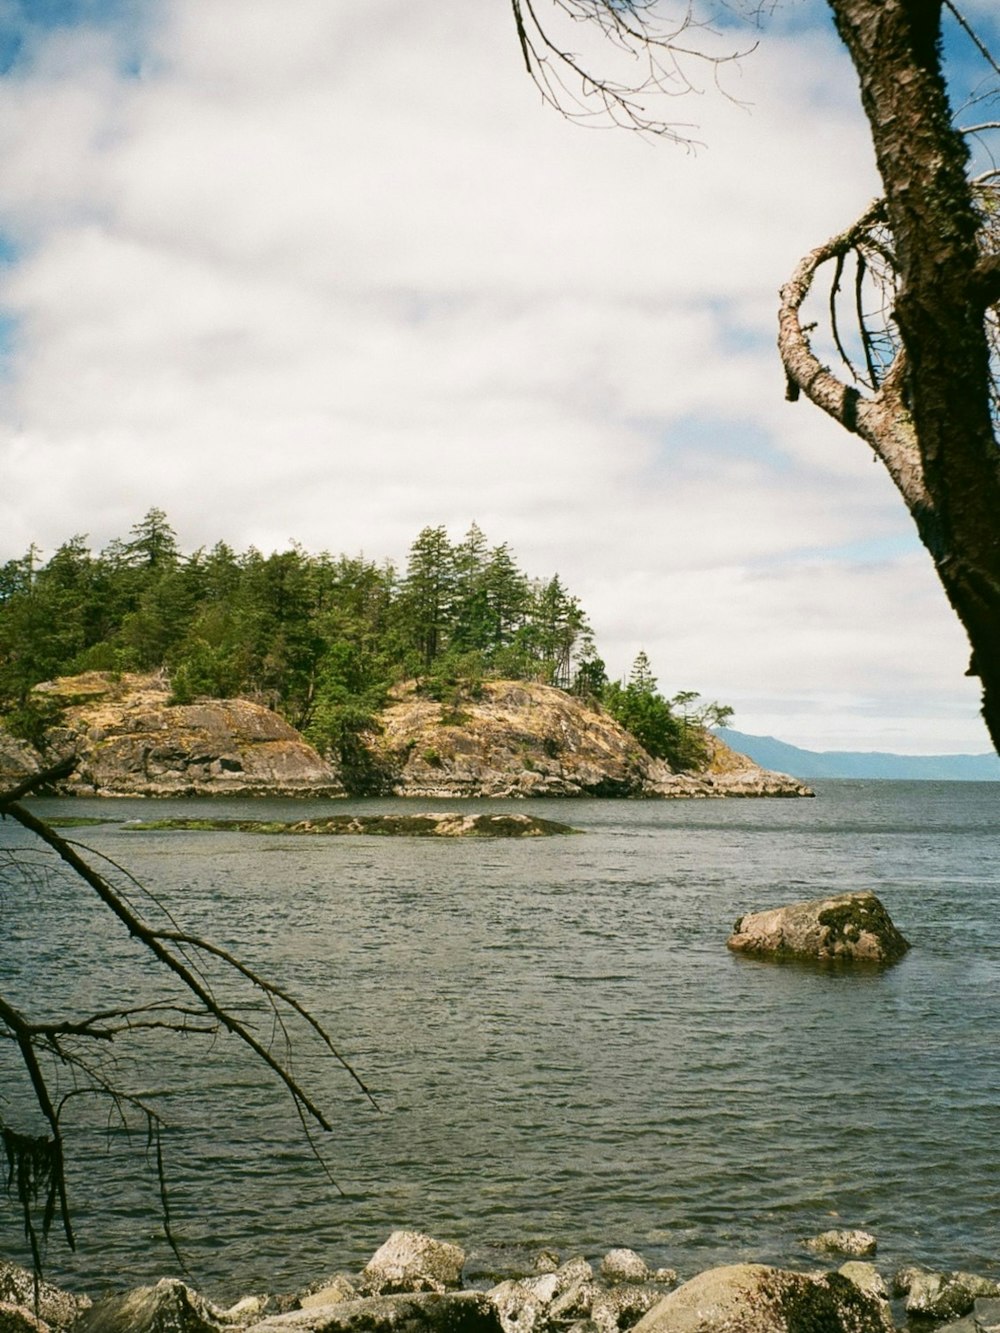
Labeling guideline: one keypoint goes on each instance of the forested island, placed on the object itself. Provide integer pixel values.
(461, 675)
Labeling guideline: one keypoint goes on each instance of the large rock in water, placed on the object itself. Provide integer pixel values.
(132, 741)
(846, 927)
(754, 1298)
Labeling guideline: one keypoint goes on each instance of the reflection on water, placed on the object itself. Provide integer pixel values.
(561, 1046)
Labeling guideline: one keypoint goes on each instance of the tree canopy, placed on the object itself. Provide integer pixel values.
(321, 638)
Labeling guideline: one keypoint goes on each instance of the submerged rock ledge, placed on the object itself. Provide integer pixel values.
(417, 1284)
(447, 825)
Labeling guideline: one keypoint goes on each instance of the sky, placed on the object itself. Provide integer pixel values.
(331, 273)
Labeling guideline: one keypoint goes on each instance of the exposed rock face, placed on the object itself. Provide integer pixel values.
(515, 739)
(848, 927)
(754, 1298)
(17, 760)
(523, 739)
(132, 742)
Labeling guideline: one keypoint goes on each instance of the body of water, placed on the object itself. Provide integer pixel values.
(562, 1048)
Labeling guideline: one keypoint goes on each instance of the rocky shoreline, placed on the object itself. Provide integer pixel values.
(514, 739)
(417, 1284)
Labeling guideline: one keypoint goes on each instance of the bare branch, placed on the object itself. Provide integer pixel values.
(658, 61)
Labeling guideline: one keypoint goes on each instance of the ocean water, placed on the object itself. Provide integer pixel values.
(562, 1049)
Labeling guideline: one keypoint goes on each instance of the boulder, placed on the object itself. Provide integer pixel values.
(848, 927)
(411, 1262)
(867, 1277)
(856, 1243)
(169, 1307)
(55, 1307)
(755, 1298)
(934, 1295)
(622, 1306)
(425, 1312)
(519, 1308)
(550, 1287)
(624, 1266)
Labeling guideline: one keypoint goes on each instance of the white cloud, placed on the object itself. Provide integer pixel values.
(338, 275)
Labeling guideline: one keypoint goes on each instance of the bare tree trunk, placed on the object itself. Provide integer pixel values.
(930, 421)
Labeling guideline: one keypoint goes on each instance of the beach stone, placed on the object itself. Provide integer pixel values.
(847, 927)
(548, 1287)
(755, 1298)
(330, 1292)
(169, 1307)
(56, 1307)
(624, 1266)
(665, 1277)
(866, 1277)
(858, 1244)
(575, 1303)
(421, 1312)
(520, 1310)
(622, 1306)
(410, 1261)
(933, 1295)
(486, 1265)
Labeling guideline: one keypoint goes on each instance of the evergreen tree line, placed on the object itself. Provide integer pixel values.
(320, 638)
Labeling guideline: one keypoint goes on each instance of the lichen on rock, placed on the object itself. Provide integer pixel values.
(847, 927)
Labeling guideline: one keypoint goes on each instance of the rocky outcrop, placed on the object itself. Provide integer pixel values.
(132, 741)
(17, 760)
(447, 825)
(518, 738)
(755, 1298)
(513, 739)
(849, 927)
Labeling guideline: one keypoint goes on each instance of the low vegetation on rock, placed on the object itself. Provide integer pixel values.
(844, 928)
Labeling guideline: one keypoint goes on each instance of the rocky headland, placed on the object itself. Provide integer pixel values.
(513, 739)
(417, 1284)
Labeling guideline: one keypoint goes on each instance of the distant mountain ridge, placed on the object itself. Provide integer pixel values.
(808, 764)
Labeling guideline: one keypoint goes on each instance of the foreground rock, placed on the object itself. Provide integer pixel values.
(411, 1261)
(754, 1298)
(56, 1308)
(934, 1295)
(850, 927)
(131, 741)
(168, 1307)
(424, 1312)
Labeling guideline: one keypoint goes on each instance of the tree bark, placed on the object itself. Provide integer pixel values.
(931, 421)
